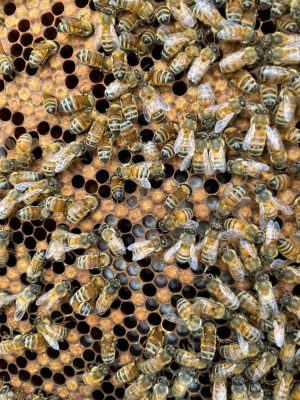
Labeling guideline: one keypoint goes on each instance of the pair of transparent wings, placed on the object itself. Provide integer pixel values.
(21, 306)
(51, 297)
(146, 247)
(276, 203)
(183, 14)
(53, 335)
(152, 105)
(57, 249)
(198, 69)
(273, 137)
(116, 243)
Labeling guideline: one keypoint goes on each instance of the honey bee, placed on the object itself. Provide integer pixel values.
(255, 391)
(76, 102)
(221, 292)
(36, 266)
(282, 55)
(208, 341)
(225, 112)
(244, 81)
(154, 342)
(81, 208)
(179, 195)
(94, 260)
(117, 189)
(184, 249)
(234, 11)
(112, 239)
(64, 157)
(105, 148)
(160, 389)
(268, 204)
(238, 388)
(227, 369)
(53, 333)
(187, 316)
(140, 386)
(50, 103)
(287, 24)
(7, 66)
(23, 299)
(269, 248)
(189, 359)
(216, 154)
(88, 291)
(9, 202)
(249, 255)
(208, 308)
(129, 107)
(174, 42)
(156, 363)
(243, 229)
(41, 52)
(119, 64)
(23, 150)
(202, 62)
(237, 33)
(50, 163)
(181, 13)
(144, 9)
(151, 151)
(232, 197)
(4, 242)
(134, 42)
(262, 366)
(200, 161)
(291, 303)
(269, 95)
(127, 373)
(234, 263)
(22, 179)
(141, 250)
(159, 77)
(208, 14)
(277, 335)
(116, 88)
(63, 241)
(209, 245)
(288, 274)
(280, 39)
(286, 108)
(205, 97)
(94, 59)
(114, 118)
(242, 167)
(181, 217)
(76, 26)
(279, 8)
(108, 350)
(184, 59)
(11, 345)
(167, 151)
(107, 33)
(233, 62)
(94, 376)
(288, 350)
(129, 136)
(36, 189)
(7, 393)
(129, 21)
(153, 105)
(59, 291)
(166, 132)
(107, 296)
(57, 203)
(248, 302)
(140, 173)
(236, 352)
(283, 385)
(184, 144)
(274, 74)
(82, 122)
(182, 382)
(8, 165)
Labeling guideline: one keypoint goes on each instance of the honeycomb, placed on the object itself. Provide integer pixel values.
(150, 287)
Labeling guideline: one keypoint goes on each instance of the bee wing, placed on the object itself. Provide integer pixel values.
(249, 137)
(2, 51)
(137, 245)
(183, 15)
(199, 246)
(6, 207)
(243, 343)
(220, 156)
(174, 318)
(48, 298)
(23, 185)
(262, 217)
(262, 367)
(207, 166)
(229, 234)
(248, 247)
(29, 194)
(117, 242)
(273, 138)
(52, 342)
(222, 123)
(178, 141)
(279, 333)
(288, 108)
(232, 59)
(226, 34)
(186, 162)
(175, 38)
(193, 260)
(189, 224)
(63, 163)
(8, 299)
(21, 309)
(255, 168)
(280, 263)
(170, 253)
(55, 331)
(284, 208)
(143, 182)
(272, 231)
(198, 69)
(56, 247)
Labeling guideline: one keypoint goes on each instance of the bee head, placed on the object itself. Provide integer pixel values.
(278, 273)
(66, 284)
(115, 283)
(230, 166)
(255, 387)
(37, 320)
(242, 101)
(267, 40)
(207, 278)
(35, 289)
(162, 226)
(92, 239)
(286, 299)
(170, 349)
(191, 116)
(163, 380)
(215, 225)
(238, 380)
(214, 135)
(108, 11)
(258, 188)
(163, 241)
(268, 55)
(118, 172)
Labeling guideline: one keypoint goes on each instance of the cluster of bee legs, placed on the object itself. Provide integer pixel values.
(263, 70)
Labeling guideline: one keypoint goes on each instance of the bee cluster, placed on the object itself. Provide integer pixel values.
(150, 203)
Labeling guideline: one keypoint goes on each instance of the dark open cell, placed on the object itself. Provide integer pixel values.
(268, 27)
(12, 260)
(58, 8)
(122, 344)
(21, 362)
(132, 59)
(127, 307)
(104, 191)
(156, 52)
(124, 225)
(43, 128)
(59, 379)
(88, 355)
(119, 393)
(107, 387)
(47, 19)
(97, 395)
(50, 33)
(149, 289)
(69, 371)
(56, 131)
(83, 327)
(223, 332)
(81, 3)
(96, 333)
(188, 292)
(130, 322)
(5, 114)
(86, 340)
(27, 228)
(26, 53)
(151, 304)
(18, 237)
(78, 363)
(123, 155)
(96, 76)
(98, 91)
(68, 137)
(137, 159)
(78, 181)
(31, 71)
(58, 268)
(136, 350)
(46, 373)
(119, 330)
(224, 178)
(12, 369)
(169, 170)
(179, 88)
(147, 63)
(109, 78)
(24, 375)
(160, 280)
(69, 67)
(211, 186)
(3, 364)
(10, 143)
(91, 186)
(40, 234)
(71, 81)
(1, 85)
(102, 175)
(26, 39)
(36, 380)
(30, 243)
(66, 51)
(146, 275)
(102, 105)
(49, 224)
(9, 8)
(19, 64)
(174, 285)
(17, 118)
(13, 36)
(146, 135)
